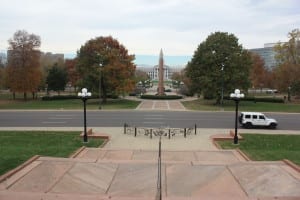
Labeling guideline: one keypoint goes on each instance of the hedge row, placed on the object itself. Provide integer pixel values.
(260, 99)
(64, 97)
(161, 97)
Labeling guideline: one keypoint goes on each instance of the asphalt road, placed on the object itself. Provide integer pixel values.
(174, 119)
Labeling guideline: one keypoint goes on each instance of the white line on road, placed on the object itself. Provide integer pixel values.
(59, 118)
(154, 115)
(64, 115)
(154, 118)
(54, 122)
(153, 122)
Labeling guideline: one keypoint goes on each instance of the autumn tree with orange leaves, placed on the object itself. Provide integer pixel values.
(105, 59)
(259, 75)
(23, 67)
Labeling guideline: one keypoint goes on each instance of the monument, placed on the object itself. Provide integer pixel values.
(161, 89)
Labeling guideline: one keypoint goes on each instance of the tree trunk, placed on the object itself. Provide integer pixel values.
(25, 96)
(14, 96)
(33, 95)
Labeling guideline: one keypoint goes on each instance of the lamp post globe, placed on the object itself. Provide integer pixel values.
(236, 96)
(84, 94)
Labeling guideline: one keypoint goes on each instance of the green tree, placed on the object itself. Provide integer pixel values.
(287, 72)
(289, 52)
(141, 76)
(219, 62)
(2, 72)
(105, 62)
(295, 88)
(2, 77)
(23, 67)
(57, 78)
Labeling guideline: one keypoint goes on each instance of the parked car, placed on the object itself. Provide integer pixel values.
(256, 119)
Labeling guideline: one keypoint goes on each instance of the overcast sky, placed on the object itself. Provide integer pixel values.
(146, 26)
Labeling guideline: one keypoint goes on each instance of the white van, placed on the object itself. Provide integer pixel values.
(255, 119)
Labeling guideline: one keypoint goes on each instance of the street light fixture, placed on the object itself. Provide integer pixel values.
(100, 85)
(84, 94)
(222, 91)
(236, 96)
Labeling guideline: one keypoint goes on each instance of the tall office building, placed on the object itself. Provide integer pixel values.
(267, 53)
(3, 58)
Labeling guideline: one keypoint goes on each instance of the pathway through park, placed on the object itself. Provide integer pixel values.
(161, 105)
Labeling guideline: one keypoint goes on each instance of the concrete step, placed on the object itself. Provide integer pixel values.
(209, 157)
(118, 174)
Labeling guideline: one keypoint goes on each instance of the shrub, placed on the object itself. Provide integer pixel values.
(260, 99)
(59, 97)
(64, 97)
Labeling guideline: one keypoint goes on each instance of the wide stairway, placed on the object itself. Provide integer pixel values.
(95, 174)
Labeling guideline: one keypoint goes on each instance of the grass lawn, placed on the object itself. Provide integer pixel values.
(18, 146)
(268, 147)
(208, 105)
(67, 104)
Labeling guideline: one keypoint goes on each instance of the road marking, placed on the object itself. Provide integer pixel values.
(154, 115)
(54, 122)
(154, 118)
(153, 122)
(59, 118)
(64, 115)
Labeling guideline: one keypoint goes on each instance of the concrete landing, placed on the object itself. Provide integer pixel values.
(132, 174)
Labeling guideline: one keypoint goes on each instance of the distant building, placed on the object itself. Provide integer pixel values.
(267, 54)
(153, 71)
(49, 59)
(3, 59)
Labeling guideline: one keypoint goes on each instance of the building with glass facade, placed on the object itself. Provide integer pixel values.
(267, 54)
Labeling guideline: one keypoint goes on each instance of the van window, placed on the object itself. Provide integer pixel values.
(247, 116)
(254, 116)
(261, 117)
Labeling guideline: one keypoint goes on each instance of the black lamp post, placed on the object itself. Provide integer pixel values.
(222, 91)
(236, 96)
(84, 94)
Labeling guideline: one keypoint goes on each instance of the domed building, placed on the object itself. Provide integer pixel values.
(153, 72)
